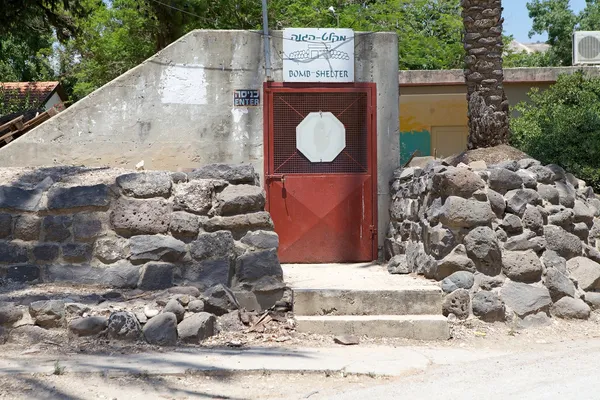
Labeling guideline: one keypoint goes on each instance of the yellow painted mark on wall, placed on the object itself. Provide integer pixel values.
(419, 114)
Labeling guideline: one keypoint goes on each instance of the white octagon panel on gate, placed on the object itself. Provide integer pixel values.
(321, 137)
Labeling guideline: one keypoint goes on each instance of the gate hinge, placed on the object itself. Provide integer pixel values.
(373, 230)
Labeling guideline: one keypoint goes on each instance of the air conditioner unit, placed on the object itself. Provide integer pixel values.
(586, 47)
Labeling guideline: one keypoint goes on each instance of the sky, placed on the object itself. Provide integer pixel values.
(518, 24)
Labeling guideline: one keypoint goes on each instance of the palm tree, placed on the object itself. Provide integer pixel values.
(488, 106)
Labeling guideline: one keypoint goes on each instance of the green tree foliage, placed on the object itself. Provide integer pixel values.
(557, 19)
(26, 58)
(27, 31)
(561, 125)
(522, 59)
(101, 39)
(429, 31)
(527, 60)
(23, 16)
(118, 36)
(112, 40)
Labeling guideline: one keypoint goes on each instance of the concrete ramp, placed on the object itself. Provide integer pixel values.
(175, 110)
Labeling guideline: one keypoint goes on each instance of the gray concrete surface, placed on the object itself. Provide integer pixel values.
(552, 372)
(359, 289)
(175, 110)
(378, 360)
(557, 370)
(360, 276)
(417, 327)
(401, 301)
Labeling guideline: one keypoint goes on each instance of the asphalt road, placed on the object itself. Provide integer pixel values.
(558, 371)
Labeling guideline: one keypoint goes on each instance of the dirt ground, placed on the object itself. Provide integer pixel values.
(261, 385)
(470, 334)
(265, 386)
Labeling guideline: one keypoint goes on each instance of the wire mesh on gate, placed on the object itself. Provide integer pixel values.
(290, 108)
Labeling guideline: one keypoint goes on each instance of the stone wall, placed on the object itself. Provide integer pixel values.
(147, 230)
(512, 240)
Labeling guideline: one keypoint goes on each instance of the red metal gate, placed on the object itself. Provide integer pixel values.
(325, 211)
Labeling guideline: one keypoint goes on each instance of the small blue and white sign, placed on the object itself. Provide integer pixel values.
(246, 98)
(318, 55)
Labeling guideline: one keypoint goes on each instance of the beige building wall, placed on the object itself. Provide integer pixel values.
(433, 106)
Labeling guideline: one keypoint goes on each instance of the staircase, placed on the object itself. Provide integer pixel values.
(364, 299)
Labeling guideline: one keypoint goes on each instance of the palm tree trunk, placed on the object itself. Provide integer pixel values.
(488, 106)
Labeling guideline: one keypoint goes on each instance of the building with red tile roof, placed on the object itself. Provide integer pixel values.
(34, 95)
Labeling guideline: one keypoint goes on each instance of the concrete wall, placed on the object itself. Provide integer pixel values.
(420, 113)
(424, 107)
(376, 60)
(175, 111)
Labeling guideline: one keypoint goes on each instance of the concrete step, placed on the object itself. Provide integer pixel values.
(420, 327)
(364, 299)
(402, 301)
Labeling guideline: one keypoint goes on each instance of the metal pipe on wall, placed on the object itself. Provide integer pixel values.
(267, 43)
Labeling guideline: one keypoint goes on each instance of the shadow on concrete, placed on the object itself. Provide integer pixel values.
(37, 387)
(370, 265)
(99, 295)
(34, 388)
(146, 370)
(31, 178)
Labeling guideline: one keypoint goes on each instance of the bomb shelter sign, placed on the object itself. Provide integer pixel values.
(318, 55)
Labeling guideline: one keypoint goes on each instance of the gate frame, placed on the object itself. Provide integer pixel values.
(270, 87)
